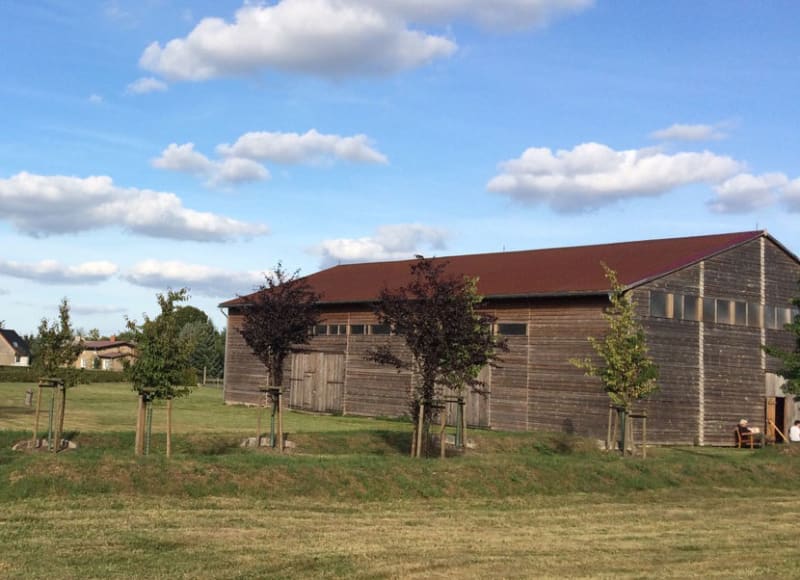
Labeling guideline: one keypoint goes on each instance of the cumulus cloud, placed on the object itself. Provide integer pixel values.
(593, 175)
(146, 85)
(240, 162)
(50, 271)
(745, 192)
(310, 147)
(231, 171)
(329, 38)
(791, 196)
(391, 242)
(41, 205)
(679, 132)
(199, 279)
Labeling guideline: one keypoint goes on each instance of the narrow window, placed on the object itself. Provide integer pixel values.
(677, 306)
(379, 329)
(770, 321)
(357, 329)
(658, 304)
(333, 329)
(755, 315)
(690, 308)
(342, 329)
(321, 329)
(512, 329)
(709, 310)
(740, 313)
(786, 317)
(724, 311)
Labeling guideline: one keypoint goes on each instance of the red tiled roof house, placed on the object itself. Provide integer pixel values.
(107, 355)
(707, 303)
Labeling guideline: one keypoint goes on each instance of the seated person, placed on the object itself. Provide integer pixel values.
(794, 432)
(747, 433)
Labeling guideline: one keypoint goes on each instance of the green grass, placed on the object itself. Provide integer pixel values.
(346, 501)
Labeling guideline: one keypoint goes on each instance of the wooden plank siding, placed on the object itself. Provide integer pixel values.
(711, 374)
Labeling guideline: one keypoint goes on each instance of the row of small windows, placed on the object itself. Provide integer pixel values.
(503, 328)
(337, 329)
(719, 310)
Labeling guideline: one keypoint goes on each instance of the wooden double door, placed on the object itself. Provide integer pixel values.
(317, 382)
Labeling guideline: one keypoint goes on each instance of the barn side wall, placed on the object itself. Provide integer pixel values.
(711, 373)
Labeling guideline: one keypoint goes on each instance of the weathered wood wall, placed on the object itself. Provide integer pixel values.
(711, 374)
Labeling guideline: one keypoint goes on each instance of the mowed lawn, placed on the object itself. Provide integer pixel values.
(347, 502)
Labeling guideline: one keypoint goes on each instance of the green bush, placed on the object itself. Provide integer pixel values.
(30, 375)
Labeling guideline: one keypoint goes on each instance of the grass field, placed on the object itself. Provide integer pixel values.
(347, 502)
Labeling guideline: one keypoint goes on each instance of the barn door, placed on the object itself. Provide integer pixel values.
(317, 382)
(476, 406)
(770, 415)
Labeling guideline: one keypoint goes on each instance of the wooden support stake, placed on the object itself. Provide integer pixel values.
(137, 446)
(419, 427)
(778, 431)
(258, 424)
(62, 407)
(280, 421)
(443, 412)
(611, 432)
(169, 427)
(644, 437)
(36, 418)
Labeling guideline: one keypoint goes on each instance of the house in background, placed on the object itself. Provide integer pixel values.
(14, 350)
(107, 355)
(707, 304)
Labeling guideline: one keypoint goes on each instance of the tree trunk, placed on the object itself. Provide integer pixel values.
(137, 446)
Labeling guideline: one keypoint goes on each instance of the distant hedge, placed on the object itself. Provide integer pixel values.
(29, 375)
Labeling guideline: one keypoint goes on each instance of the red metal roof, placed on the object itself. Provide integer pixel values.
(548, 272)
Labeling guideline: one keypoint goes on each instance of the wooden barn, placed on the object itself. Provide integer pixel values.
(707, 304)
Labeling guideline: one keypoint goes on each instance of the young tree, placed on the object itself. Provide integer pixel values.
(57, 347)
(627, 373)
(790, 360)
(277, 318)
(448, 339)
(161, 365)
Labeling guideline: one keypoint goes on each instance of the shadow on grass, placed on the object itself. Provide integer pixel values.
(396, 440)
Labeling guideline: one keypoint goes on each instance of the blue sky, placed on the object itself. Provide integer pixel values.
(160, 143)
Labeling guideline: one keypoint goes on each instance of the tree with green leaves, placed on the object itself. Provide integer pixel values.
(205, 354)
(448, 339)
(627, 372)
(160, 370)
(57, 347)
(790, 359)
(278, 317)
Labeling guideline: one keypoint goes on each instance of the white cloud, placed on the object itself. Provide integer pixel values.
(51, 272)
(328, 38)
(392, 242)
(41, 205)
(96, 99)
(745, 193)
(497, 14)
(592, 175)
(234, 170)
(679, 132)
(791, 196)
(97, 309)
(146, 85)
(310, 147)
(199, 279)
